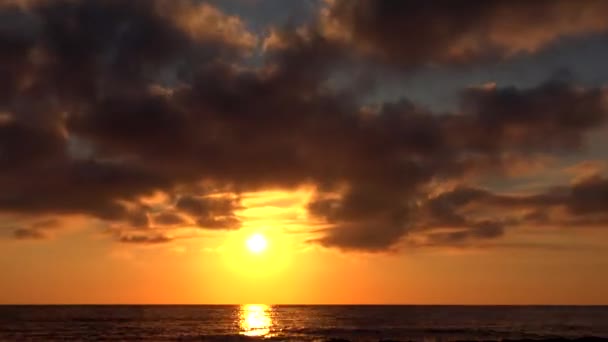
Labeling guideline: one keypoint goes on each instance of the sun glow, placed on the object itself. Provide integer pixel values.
(257, 243)
(274, 226)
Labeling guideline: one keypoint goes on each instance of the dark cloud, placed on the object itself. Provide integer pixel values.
(144, 239)
(511, 118)
(366, 217)
(478, 231)
(161, 103)
(63, 58)
(169, 219)
(416, 147)
(36, 231)
(210, 213)
(413, 33)
(589, 197)
(583, 204)
(28, 234)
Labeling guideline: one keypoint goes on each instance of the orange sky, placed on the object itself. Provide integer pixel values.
(82, 266)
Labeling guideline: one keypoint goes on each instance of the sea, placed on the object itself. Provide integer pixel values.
(334, 323)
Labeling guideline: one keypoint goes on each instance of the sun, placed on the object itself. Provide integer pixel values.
(257, 243)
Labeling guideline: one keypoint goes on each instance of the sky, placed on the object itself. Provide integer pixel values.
(390, 152)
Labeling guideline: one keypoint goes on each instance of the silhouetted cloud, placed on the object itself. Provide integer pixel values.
(508, 118)
(36, 230)
(210, 213)
(28, 234)
(411, 33)
(103, 103)
(582, 204)
(144, 239)
(169, 219)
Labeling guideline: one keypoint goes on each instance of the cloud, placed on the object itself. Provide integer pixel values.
(169, 219)
(144, 239)
(106, 103)
(36, 231)
(383, 204)
(507, 118)
(204, 22)
(478, 231)
(586, 169)
(413, 33)
(580, 205)
(589, 196)
(210, 213)
(28, 234)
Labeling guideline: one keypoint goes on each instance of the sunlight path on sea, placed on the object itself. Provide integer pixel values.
(255, 320)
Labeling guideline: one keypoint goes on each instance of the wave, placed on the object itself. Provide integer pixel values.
(394, 335)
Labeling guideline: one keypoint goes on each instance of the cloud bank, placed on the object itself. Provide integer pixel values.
(105, 103)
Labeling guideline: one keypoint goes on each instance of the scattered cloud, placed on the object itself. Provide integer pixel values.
(161, 97)
(414, 33)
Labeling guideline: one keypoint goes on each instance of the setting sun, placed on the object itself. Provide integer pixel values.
(257, 243)
(317, 170)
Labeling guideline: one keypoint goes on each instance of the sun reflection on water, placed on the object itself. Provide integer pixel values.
(255, 320)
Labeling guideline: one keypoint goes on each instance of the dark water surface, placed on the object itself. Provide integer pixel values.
(301, 323)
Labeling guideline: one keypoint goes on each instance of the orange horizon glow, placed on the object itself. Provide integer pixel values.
(218, 268)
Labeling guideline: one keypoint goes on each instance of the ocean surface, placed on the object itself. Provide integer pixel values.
(301, 323)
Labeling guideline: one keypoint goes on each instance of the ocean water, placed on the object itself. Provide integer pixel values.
(301, 323)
